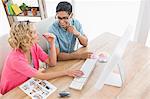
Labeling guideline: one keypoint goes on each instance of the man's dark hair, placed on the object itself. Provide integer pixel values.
(64, 6)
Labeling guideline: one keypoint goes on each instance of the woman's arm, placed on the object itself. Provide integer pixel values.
(1, 95)
(51, 61)
(51, 75)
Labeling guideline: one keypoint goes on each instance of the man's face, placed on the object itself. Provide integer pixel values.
(63, 19)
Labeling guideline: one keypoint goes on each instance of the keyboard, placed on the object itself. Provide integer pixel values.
(87, 68)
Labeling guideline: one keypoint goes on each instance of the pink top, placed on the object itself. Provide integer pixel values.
(16, 69)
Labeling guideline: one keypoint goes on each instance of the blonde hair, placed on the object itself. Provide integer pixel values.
(22, 36)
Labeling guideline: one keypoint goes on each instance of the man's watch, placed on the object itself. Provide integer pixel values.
(79, 35)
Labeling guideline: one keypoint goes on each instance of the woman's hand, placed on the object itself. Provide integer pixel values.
(42, 70)
(74, 73)
(50, 37)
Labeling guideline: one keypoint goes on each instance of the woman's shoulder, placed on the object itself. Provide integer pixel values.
(16, 53)
(36, 47)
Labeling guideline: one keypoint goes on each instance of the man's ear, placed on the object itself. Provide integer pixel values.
(71, 15)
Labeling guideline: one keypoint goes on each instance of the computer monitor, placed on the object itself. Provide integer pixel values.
(107, 76)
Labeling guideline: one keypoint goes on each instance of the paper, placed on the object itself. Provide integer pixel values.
(37, 89)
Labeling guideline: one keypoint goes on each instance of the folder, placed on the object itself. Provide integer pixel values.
(16, 9)
(11, 12)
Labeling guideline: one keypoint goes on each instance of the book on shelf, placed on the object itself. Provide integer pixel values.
(10, 10)
(16, 9)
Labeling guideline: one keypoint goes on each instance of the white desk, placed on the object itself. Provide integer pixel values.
(137, 84)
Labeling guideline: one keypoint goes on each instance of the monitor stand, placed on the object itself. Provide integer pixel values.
(108, 76)
(116, 78)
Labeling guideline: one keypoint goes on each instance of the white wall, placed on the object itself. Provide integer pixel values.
(99, 16)
(4, 30)
(30, 3)
(143, 23)
(4, 24)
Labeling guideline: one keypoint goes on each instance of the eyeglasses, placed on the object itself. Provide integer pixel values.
(62, 18)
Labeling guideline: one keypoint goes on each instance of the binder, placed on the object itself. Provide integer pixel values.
(11, 12)
(16, 9)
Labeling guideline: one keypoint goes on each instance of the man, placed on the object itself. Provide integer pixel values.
(67, 30)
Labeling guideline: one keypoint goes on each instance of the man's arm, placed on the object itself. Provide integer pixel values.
(74, 55)
(82, 38)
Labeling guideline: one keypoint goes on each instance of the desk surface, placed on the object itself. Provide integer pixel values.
(136, 86)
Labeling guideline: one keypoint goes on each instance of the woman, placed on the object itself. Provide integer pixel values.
(22, 62)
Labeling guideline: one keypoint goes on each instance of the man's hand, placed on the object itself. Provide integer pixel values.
(85, 55)
(50, 37)
(72, 29)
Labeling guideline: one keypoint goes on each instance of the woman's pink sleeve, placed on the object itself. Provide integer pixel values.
(22, 66)
(42, 55)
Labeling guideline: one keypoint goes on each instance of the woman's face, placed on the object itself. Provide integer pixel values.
(35, 34)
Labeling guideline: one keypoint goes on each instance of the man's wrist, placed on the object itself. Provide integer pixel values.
(78, 34)
(76, 55)
(65, 73)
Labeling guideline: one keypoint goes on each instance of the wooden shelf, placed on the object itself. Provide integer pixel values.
(41, 12)
(29, 14)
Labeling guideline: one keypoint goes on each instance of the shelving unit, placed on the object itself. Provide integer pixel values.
(41, 12)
